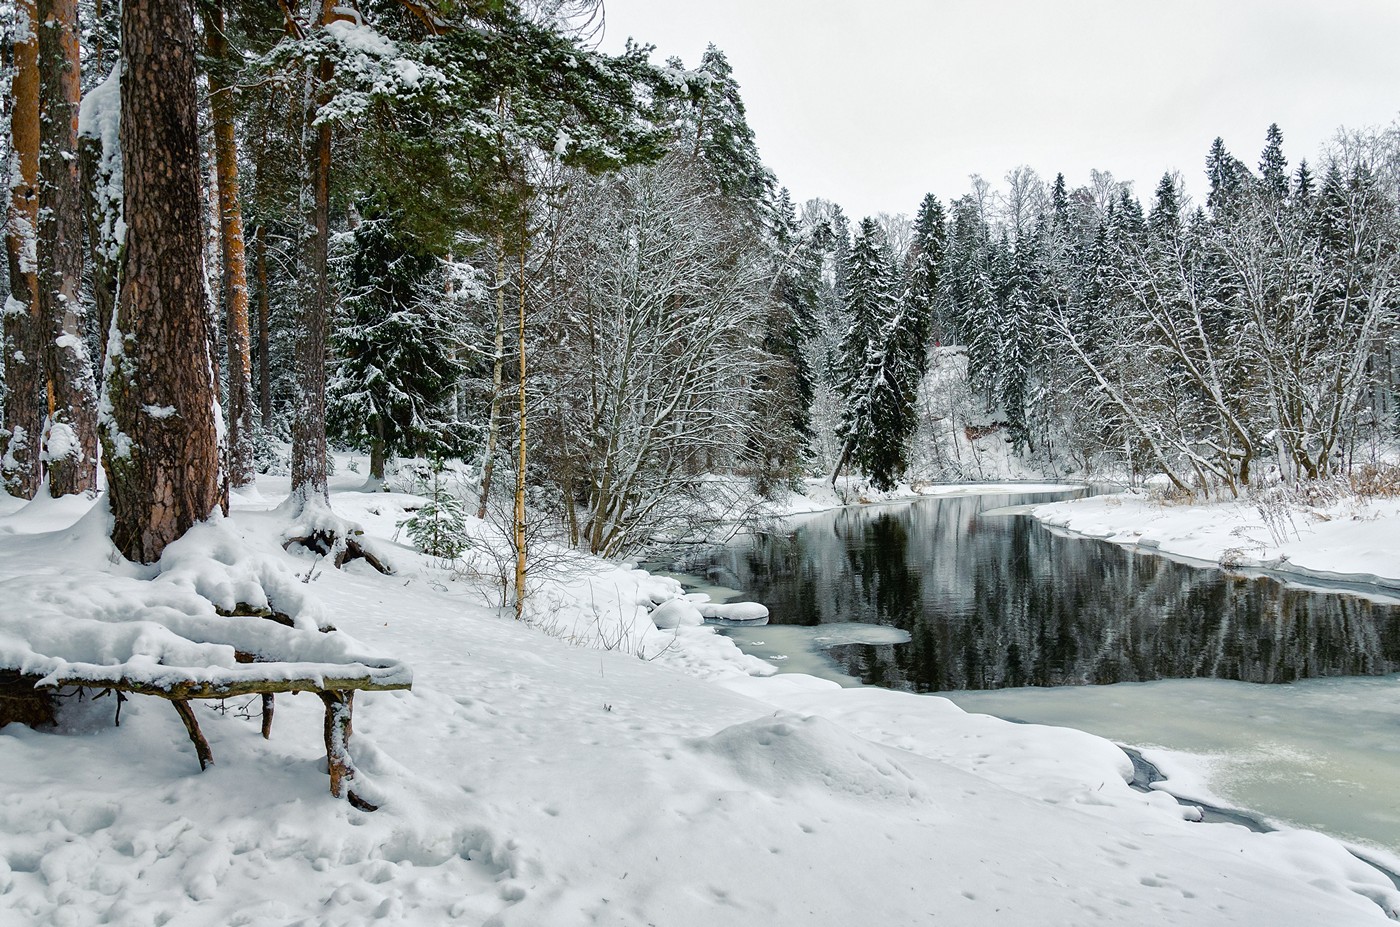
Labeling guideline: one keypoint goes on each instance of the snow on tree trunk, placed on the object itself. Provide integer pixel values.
(70, 431)
(235, 268)
(24, 405)
(99, 163)
(161, 416)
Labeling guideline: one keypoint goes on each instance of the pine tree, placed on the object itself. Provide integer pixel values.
(234, 265)
(719, 134)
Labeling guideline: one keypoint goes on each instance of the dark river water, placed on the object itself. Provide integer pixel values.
(997, 601)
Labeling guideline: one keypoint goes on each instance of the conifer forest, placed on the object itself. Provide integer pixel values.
(465, 233)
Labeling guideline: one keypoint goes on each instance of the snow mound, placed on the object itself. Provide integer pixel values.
(676, 613)
(735, 611)
(787, 752)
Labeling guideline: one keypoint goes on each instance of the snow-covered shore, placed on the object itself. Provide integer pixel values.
(1349, 541)
(544, 774)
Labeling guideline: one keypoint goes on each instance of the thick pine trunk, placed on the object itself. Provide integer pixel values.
(24, 380)
(70, 433)
(235, 268)
(161, 444)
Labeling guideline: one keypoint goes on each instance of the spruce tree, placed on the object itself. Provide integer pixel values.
(1273, 166)
(788, 385)
(878, 366)
(1301, 193)
(923, 273)
(395, 364)
(718, 132)
(1165, 218)
(1228, 179)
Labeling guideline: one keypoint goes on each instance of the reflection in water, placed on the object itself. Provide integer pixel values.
(1000, 602)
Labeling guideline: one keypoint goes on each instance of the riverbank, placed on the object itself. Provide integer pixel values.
(819, 495)
(585, 767)
(1347, 541)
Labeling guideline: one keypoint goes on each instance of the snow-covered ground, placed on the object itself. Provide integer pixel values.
(544, 774)
(1347, 540)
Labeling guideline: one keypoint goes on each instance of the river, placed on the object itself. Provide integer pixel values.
(1006, 617)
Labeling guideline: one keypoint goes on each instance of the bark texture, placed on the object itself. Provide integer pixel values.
(70, 433)
(161, 444)
(24, 380)
(235, 265)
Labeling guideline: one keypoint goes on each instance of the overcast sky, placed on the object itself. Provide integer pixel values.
(874, 104)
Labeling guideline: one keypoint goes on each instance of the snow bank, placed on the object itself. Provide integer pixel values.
(1347, 541)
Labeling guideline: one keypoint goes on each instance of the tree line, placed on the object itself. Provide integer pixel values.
(1249, 337)
(459, 230)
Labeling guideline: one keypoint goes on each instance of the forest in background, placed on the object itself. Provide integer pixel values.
(461, 232)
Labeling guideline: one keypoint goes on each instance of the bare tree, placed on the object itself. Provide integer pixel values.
(653, 299)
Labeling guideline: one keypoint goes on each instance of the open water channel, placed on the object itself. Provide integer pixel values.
(1275, 697)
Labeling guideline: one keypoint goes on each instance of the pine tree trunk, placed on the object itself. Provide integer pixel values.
(161, 447)
(264, 330)
(309, 454)
(70, 432)
(24, 405)
(235, 266)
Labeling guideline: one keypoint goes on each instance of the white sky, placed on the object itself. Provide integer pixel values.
(875, 104)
